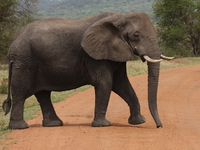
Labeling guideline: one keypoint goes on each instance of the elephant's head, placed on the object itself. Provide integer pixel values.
(119, 37)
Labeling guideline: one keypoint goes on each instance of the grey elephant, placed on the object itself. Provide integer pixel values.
(57, 54)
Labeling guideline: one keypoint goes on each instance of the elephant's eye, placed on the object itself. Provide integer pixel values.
(136, 35)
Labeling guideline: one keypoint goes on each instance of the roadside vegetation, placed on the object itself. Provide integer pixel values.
(178, 26)
(76, 9)
(14, 14)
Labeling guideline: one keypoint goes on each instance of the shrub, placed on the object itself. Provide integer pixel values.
(4, 86)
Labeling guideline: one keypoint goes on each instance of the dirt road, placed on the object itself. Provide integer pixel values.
(179, 108)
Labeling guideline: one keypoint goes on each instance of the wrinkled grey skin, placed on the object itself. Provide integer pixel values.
(58, 54)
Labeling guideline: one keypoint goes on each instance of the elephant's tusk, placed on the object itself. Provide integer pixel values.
(166, 58)
(147, 58)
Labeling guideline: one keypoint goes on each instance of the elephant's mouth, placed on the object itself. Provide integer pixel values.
(147, 58)
(144, 57)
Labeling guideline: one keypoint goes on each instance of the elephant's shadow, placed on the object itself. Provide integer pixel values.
(89, 125)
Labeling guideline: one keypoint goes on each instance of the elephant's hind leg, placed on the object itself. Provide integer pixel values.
(50, 119)
(19, 91)
(16, 117)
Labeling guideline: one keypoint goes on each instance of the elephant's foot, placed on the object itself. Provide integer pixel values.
(136, 120)
(101, 123)
(18, 124)
(52, 123)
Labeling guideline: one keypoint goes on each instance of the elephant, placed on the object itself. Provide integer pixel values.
(57, 54)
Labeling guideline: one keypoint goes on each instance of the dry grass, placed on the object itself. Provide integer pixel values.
(137, 67)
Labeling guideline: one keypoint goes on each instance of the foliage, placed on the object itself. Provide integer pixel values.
(76, 9)
(179, 25)
(4, 86)
(13, 15)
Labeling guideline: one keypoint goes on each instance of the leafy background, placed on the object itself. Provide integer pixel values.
(76, 9)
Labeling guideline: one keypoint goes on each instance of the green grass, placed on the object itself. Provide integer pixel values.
(32, 108)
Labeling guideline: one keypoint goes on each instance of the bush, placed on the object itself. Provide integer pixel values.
(13, 15)
(4, 86)
(179, 25)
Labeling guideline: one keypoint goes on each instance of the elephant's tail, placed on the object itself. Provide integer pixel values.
(7, 103)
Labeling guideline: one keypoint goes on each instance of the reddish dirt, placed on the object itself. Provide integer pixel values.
(179, 108)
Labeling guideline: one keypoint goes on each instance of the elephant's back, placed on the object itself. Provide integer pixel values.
(51, 38)
(45, 39)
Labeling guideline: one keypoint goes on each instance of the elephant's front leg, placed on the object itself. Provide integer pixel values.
(102, 95)
(50, 118)
(123, 88)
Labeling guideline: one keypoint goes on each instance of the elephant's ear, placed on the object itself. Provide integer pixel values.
(103, 40)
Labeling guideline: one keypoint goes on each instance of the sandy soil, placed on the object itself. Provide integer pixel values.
(179, 108)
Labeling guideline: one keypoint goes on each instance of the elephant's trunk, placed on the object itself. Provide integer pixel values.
(153, 76)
